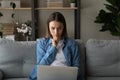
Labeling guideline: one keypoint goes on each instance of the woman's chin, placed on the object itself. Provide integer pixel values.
(56, 39)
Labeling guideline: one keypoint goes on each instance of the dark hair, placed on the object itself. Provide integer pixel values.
(56, 16)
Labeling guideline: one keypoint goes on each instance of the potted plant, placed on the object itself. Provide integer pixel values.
(23, 31)
(72, 3)
(110, 18)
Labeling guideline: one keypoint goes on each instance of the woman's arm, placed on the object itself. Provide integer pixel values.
(45, 57)
(76, 59)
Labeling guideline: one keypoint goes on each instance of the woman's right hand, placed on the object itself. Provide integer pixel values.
(54, 43)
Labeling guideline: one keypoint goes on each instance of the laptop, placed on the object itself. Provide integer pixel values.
(56, 73)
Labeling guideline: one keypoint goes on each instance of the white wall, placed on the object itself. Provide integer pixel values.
(89, 29)
(89, 11)
(20, 15)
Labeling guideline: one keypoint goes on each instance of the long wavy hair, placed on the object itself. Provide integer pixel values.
(56, 16)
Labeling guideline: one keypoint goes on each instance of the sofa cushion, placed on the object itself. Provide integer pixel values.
(16, 79)
(103, 58)
(17, 58)
(103, 78)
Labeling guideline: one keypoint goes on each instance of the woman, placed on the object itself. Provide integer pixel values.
(56, 49)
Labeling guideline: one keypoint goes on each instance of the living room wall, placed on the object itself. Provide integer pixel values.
(89, 11)
(89, 29)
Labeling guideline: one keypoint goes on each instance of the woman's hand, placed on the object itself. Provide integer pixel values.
(54, 42)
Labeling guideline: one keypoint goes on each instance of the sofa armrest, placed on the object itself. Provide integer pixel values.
(1, 75)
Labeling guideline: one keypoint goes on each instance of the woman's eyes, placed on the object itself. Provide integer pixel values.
(57, 28)
(53, 28)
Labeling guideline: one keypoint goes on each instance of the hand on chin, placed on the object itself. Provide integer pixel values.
(56, 39)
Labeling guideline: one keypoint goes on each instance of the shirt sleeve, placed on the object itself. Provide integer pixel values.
(45, 57)
(76, 59)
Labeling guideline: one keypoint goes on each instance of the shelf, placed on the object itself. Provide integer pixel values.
(42, 8)
(15, 9)
(56, 8)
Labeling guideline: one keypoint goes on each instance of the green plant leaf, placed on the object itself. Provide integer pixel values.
(111, 8)
(118, 24)
(1, 14)
(113, 2)
(118, 21)
(104, 17)
(13, 15)
(104, 28)
(115, 33)
(101, 15)
(13, 5)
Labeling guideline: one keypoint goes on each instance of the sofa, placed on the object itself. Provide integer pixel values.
(17, 59)
(100, 59)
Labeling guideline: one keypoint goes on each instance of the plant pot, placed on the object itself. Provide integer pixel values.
(72, 5)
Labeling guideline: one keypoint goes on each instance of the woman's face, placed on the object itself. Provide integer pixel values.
(56, 29)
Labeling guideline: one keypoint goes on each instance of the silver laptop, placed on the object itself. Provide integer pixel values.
(56, 73)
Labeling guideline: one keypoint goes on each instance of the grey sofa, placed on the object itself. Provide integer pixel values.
(103, 59)
(16, 59)
(100, 59)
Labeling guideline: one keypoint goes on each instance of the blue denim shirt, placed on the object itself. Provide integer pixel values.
(46, 54)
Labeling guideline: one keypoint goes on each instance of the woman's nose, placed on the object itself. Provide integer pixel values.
(56, 31)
